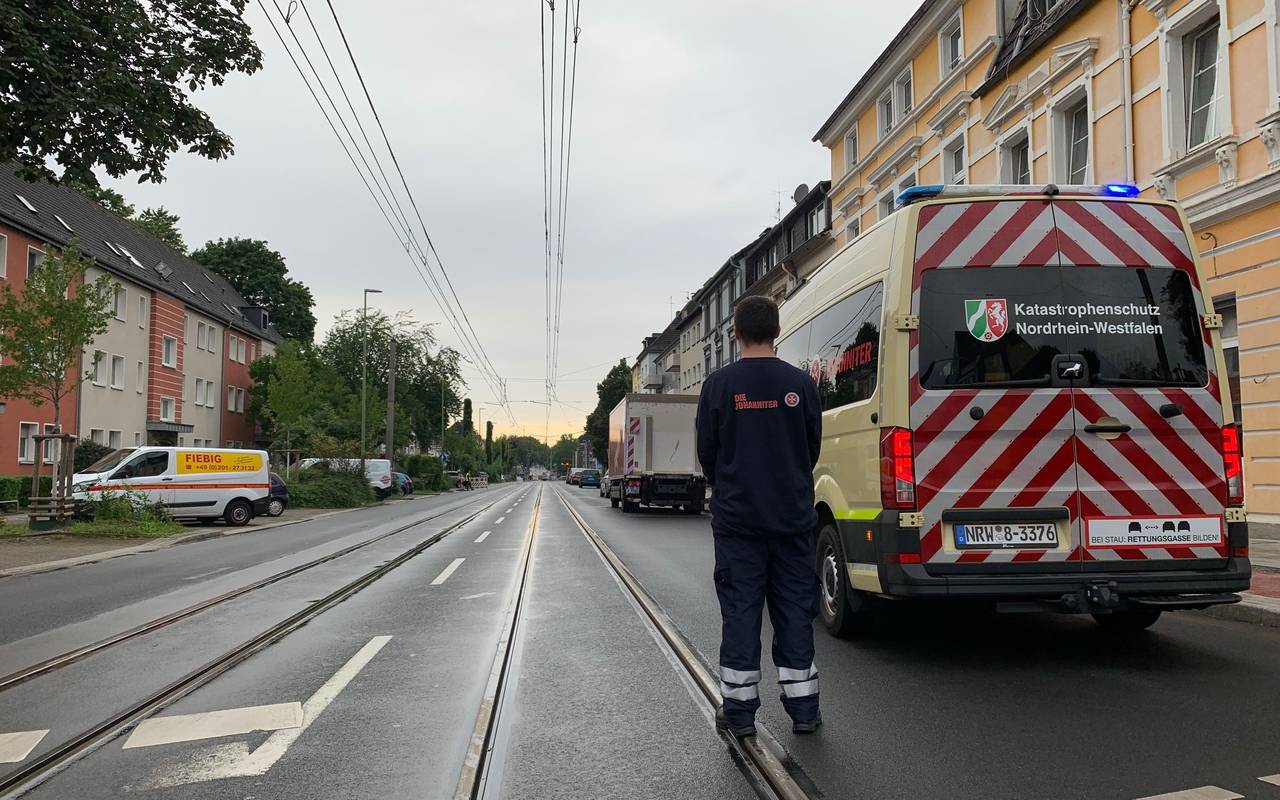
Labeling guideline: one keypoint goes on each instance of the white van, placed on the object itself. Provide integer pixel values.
(376, 470)
(201, 483)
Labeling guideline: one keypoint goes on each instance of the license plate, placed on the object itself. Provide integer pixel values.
(1017, 535)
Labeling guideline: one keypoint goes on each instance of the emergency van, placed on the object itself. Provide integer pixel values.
(190, 482)
(1024, 403)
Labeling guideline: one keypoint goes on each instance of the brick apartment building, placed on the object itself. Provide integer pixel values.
(178, 335)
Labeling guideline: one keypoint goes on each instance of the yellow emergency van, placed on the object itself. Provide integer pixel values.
(1025, 404)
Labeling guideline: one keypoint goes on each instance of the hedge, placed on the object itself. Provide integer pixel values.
(322, 489)
(18, 487)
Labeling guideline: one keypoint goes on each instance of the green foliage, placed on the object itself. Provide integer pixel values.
(467, 425)
(163, 225)
(259, 274)
(87, 452)
(45, 330)
(123, 515)
(610, 391)
(111, 84)
(488, 441)
(563, 449)
(324, 488)
(18, 487)
(427, 473)
(109, 199)
(289, 389)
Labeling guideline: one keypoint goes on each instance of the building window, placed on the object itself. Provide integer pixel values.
(1200, 81)
(851, 148)
(852, 228)
(168, 408)
(35, 257)
(51, 446)
(169, 354)
(902, 95)
(200, 391)
(1017, 162)
(817, 220)
(953, 164)
(122, 303)
(27, 442)
(1226, 306)
(117, 372)
(97, 374)
(231, 398)
(1038, 9)
(137, 439)
(907, 182)
(142, 376)
(1071, 127)
(97, 436)
(884, 110)
(202, 336)
(113, 440)
(142, 311)
(885, 205)
(951, 45)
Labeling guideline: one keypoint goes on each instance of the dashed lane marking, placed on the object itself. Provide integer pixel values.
(476, 596)
(1202, 793)
(215, 724)
(18, 745)
(500, 519)
(483, 536)
(444, 576)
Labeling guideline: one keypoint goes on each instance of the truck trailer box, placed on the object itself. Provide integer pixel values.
(653, 458)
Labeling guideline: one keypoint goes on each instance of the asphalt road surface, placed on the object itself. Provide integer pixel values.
(380, 695)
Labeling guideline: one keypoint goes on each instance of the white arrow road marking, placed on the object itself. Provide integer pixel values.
(18, 745)
(1274, 780)
(483, 536)
(444, 576)
(235, 760)
(1202, 793)
(500, 519)
(214, 724)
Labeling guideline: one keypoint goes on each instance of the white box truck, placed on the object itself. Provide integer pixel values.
(653, 454)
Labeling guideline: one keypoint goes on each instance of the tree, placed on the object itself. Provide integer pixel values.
(259, 274)
(488, 441)
(163, 225)
(111, 84)
(289, 390)
(611, 390)
(109, 199)
(467, 424)
(44, 331)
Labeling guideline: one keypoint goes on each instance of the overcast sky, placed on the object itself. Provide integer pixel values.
(690, 117)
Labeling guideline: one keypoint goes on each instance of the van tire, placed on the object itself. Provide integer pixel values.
(238, 512)
(844, 613)
(1129, 621)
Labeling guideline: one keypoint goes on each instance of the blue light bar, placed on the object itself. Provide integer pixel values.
(1120, 189)
(917, 193)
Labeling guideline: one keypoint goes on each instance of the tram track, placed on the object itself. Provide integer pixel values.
(771, 771)
(44, 766)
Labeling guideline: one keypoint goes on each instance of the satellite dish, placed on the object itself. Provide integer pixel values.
(801, 191)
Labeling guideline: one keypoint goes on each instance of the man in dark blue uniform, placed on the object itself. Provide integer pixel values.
(759, 431)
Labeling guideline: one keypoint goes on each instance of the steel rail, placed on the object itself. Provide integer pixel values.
(761, 754)
(72, 656)
(45, 766)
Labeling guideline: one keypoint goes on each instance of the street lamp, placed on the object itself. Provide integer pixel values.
(364, 366)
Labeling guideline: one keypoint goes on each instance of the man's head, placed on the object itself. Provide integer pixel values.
(755, 321)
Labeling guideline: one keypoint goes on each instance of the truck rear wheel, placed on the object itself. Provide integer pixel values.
(613, 501)
(845, 612)
(629, 507)
(1130, 621)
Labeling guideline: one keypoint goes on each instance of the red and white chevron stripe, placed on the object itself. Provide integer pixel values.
(633, 430)
(1029, 448)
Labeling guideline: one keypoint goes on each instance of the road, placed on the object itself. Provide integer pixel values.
(437, 661)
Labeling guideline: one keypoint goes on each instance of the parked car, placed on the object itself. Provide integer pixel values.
(604, 486)
(200, 483)
(376, 470)
(589, 477)
(402, 482)
(278, 500)
(572, 478)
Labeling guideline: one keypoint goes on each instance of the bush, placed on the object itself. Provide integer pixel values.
(320, 488)
(89, 451)
(125, 515)
(18, 487)
(427, 473)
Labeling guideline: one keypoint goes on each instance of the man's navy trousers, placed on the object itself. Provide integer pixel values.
(750, 570)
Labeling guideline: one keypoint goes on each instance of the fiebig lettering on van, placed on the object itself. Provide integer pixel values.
(193, 462)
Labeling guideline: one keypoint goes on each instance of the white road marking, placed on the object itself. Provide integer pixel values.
(499, 522)
(476, 596)
(207, 574)
(1202, 793)
(509, 510)
(444, 576)
(1274, 780)
(483, 536)
(18, 745)
(235, 760)
(215, 724)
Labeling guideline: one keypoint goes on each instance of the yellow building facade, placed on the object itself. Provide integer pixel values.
(1181, 97)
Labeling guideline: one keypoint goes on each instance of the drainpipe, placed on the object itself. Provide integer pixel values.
(1126, 76)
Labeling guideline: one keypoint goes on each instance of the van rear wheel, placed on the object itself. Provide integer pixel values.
(1130, 621)
(845, 613)
(238, 513)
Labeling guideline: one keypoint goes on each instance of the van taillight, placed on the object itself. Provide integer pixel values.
(897, 469)
(1233, 464)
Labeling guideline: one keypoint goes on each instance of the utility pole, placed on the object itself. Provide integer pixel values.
(364, 366)
(391, 403)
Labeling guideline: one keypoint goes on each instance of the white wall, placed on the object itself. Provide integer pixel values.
(106, 408)
(203, 361)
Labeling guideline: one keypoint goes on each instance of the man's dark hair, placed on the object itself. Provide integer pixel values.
(756, 320)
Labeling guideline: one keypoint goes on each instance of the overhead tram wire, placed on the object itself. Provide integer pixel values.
(484, 366)
(550, 124)
(558, 262)
(414, 204)
(567, 152)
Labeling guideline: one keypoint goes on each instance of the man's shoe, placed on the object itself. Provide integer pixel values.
(723, 723)
(808, 726)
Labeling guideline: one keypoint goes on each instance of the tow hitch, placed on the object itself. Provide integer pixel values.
(1093, 597)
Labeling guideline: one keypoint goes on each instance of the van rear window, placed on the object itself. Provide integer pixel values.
(1003, 326)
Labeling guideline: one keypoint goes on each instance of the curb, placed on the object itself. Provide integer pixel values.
(1255, 609)
(187, 538)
